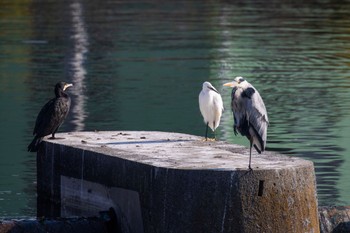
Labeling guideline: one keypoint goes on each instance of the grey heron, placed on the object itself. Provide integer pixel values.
(51, 116)
(211, 107)
(249, 113)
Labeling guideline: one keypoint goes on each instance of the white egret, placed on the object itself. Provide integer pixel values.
(211, 107)
(249, 113)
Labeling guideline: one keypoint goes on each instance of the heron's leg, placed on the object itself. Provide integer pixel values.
(235, 129)
(235, 125)
(250, 155)
(206, 132)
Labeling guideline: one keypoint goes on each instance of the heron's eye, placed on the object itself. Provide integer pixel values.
(241, 80)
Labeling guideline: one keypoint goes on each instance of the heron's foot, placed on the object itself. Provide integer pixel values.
(250, 168)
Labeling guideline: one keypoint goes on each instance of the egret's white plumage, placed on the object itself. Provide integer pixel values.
(211, 106)
(250, 115)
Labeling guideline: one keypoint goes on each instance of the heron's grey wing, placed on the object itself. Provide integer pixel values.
(259, 105)
(257, 115)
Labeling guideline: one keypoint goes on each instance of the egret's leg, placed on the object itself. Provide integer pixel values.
(214, 131)
(206, 132)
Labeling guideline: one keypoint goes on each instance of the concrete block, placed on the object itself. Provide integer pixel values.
(171, 182)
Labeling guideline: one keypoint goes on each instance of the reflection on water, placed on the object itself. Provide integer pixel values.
(76, 69)
(140, 66)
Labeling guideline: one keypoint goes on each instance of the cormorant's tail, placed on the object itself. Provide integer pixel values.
(34, 145)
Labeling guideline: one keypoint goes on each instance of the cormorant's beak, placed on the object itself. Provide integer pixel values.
(230, 84)
(67, 85)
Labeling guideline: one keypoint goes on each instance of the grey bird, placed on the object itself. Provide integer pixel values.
(249, 113)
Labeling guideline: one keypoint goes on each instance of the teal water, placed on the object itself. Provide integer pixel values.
(140, 65)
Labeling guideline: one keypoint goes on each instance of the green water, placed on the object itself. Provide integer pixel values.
(140, 65)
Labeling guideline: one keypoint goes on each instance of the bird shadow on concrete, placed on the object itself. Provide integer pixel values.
(146, 142)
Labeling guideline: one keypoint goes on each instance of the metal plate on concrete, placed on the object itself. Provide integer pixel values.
(84, 198)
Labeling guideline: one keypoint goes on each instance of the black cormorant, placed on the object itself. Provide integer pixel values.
(51, 116)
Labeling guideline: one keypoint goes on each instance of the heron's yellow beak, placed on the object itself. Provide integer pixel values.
(67, 85)
(230, 84)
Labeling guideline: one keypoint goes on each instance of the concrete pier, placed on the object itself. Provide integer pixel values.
(171, 182)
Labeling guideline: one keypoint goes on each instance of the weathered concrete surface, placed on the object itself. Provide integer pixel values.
(334, 219)
(169, 182)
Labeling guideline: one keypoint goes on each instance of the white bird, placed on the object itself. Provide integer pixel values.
(249, 113)
(211, 107)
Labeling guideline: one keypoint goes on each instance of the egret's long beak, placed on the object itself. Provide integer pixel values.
(230, 84)
(67, 85)
(213, 89)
